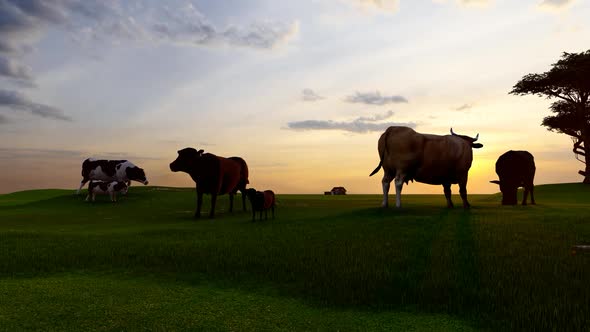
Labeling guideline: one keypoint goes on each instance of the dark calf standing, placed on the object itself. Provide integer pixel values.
(515, 169)
(261, 201)
(213, 175)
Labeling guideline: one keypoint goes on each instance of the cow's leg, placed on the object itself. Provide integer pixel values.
(385, 183)
(532, 195)
(399, 183)
(273, 211)
(253, 214)
(463, 192)
(243, 191)
(199, 204)
(88, 197)
(82, 183)
(231, 202)
(94, 197)
(213, 201)
(447, 190)
(266, 214)
(524, 196)
(112, 196)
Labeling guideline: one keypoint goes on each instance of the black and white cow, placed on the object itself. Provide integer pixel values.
(110, 188)
(111, 170)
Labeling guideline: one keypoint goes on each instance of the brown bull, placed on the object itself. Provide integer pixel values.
(213, 175)
(406, 155)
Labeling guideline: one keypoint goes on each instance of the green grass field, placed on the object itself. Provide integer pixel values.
(325, 263)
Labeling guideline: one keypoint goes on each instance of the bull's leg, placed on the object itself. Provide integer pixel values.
(213, 201)
(199, 204)
(385, 183)
(399, 183)
(447, 190)
(94, 197)
(231, 202)
(273, 211)
(253, 214)
(532, 195)
(463, 192)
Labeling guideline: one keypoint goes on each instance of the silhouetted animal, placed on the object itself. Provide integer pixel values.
(515, 169)
(261, 201)
(213, 175)
(440, 160)
(111, 170)
(101, 187)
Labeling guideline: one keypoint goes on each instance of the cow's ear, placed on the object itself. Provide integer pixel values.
(495, 181)
(477, 145)
(200, 152)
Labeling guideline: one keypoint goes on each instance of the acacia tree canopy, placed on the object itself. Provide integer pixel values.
(568, 81)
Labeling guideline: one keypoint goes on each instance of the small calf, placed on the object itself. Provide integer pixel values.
(261, 201)
(111, 188)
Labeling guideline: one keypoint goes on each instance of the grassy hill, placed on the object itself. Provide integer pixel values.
(325, 263)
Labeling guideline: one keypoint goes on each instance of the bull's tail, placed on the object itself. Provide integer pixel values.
(377, 169)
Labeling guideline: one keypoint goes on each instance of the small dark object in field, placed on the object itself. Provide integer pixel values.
(261, 201)
(515, 169)
(580, 248)
(213, 175)
(110, 188)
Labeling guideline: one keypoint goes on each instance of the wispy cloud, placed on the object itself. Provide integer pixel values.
(382, 5)
(464, 107)
(3, 119)
(44, 154)
(358, 125)
(310, 95)
(16, 101)
(375, 98)
(11, 68)
(555, 4)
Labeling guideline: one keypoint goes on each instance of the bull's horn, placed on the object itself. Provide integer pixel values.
(452, 133)
(200, 152)
(476, 137)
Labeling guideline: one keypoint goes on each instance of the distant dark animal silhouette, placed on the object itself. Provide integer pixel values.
(515, 169)
(111, 170)
(110, 188)
(213, 175)
(406, 155)
(261, 201)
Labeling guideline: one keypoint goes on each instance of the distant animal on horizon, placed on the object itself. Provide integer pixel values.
(406, 155)
(261, 201)
(515, 169)
(111, 170)
(102, 187)
(213, 175)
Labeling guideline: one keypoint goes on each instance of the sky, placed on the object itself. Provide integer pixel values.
(301, 90)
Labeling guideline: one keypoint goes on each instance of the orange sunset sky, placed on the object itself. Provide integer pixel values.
(301, 90)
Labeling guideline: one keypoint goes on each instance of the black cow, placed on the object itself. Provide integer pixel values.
(515, 169)
(261, 201)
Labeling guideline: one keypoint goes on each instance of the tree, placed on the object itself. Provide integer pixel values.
(568, 81)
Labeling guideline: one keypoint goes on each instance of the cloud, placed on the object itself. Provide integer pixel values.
(467, 3)
(13, 69)
(464, 107)
(18, 102)
(359, 125)
(374, 98)
(310, 95)
(3, 119)
(383, 5)
(555, 4)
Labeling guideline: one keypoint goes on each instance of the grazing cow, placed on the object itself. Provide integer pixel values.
(101, 187)
(261, 201)
(440, 160)
(111, 170)
(515, 169)
(213, 175)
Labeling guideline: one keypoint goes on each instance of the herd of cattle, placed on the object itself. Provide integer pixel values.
(404, 155)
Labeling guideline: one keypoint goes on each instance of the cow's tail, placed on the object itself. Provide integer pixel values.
(377, 169)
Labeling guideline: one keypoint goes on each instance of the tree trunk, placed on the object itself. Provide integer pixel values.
(586, 172)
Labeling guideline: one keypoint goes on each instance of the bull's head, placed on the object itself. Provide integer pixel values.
(136, 174)
(469, 139)
(509, 192)
(186, 160)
